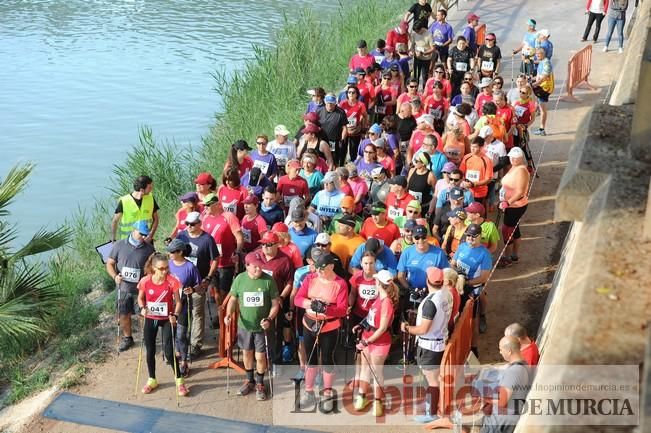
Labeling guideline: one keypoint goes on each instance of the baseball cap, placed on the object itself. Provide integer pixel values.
(241, 145)
(269, 238)
(348, 220)
(347, 202)
(210, 199)
(311, 116)
(330, 99)
(189, 196)
(485, 82)
(372, 245)
(360, 71)
(280, 228)
(314, 253)
(473, 17)
(281, 130)
(294, 163)
(516, 152)
(251, 199)
(380, 142)
(192, 217)
(420, 230)
(377, 208)
(485, 131)
(204, 179)
(457, 213)
(329, 177)
(253, 259)
(426, 118)
(352, 79)
(473, 230)
(475, 207)
(176, 245)
(298, 214)
(383, 276)
(142, 227)
(324, 260)
(398, 180)
(544, 32)
(322, 238)
(375, 129)
(361, 44)
(456, 193)
(410, 224)
(448, 167)
(415, 204)
(434, 276)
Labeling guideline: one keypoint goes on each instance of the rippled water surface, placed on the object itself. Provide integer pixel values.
(77, 79)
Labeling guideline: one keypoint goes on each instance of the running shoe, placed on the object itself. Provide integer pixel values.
(327, 401)
(307, 400)
(378, 408)
(195, 351)
(300, 375)
(424, 419)
(246, 388)
(620, 51)
(540, 131)
(605, 50)
(260, 392)
(360, 402)
(515, 258)
(181, 388)
(125, 344)
(151, 385)
(483, 326)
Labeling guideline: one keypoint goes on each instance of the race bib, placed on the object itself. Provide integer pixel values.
(395, 212)
(520, 110)
(453, 153)
(472, 175)
(381, 109)
(287, 199)
(281, 160)
(461, 66)
(333, 145)
(246, 234)
(268, 272)
(192, 260)
(464, 267)
(157, 308)
(417, 195)
(230, 207)
(352, 121)
(502, 194)
(403, 146)
(131, 275)
(436, 112)
(253, 299)
(262, 165)
(487, 65)
(368, 291)
(378, 59)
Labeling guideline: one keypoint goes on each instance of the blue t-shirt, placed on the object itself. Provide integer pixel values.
(441, 33)
(300, 274)
(444, 194)
(471, 37)
(304, 239)
(267, 163)
(379, 55)
(327, 204)
(547, 46)
(188, 275)
(385, 260)
(415, 264)
(473, 260)
(313, 106)
(530, 39)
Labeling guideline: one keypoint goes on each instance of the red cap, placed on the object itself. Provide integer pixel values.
(204, 179)
(311, 116)
(269, 238)
(280, 228)
(253, 259)
(294, 163)
(251, 199)
(434, 276)
(311, 128)
(476, 207)
(473, 17)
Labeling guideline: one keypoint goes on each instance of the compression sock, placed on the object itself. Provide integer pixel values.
(249, 375)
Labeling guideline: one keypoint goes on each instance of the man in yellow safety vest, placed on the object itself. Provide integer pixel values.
(137, 206)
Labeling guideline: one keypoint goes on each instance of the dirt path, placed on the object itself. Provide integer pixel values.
(517, 293)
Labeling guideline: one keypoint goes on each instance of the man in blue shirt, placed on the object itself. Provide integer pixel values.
(384, 257)
(442, 34)
(416, 259)
(302, 235)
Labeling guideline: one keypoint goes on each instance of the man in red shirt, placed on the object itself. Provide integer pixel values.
(398, 35)
(378, 226)
(528, 347)
(398, 197)
(478, 170)
(362, 59)
(292, 185)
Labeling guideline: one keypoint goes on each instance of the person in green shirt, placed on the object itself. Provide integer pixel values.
(255, 294)
(490, 235)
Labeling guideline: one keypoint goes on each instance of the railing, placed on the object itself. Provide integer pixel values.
(578, 72)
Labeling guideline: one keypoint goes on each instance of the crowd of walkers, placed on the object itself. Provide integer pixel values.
(371, 225)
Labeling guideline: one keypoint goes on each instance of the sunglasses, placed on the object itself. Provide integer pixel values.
(419, 238)
(269, 245)
(467, 80)
(472, 236)
(490, 39)
(351, 92)
(413, 87)
(411, 211)
(524, 93)
(368, 151)
(321, 245)
(190, 224)
(261, 143)
(452, 179)
(163, 269)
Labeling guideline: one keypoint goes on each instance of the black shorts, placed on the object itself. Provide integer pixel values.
(248, 340)
(223, 279)
(428, 359)
(465, 297)
(127, 302)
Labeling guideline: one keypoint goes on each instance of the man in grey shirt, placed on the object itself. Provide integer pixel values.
(126, 265)
(512, 390)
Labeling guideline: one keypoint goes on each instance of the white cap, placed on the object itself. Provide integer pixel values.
(384, 276)
(426, 118)
(485, 82)
(311, 92)
(281, 130)
(193, 217)
(485, 131)
(544, 32)
(380, 142)
(516, 152)
(330, 176)
(322, 238)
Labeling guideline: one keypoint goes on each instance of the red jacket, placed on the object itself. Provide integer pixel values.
(587, 6)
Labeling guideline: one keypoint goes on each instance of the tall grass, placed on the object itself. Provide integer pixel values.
(309, 52)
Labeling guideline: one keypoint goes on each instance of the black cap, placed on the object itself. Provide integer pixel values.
(176, 245)
(378, 207)
(372, 245)
(361, 44)
(315, 253)
(473, 230)
(298, 214)
(348, 220)
(419, 230)
(398, 180)
(241, 145)
(360, 71)
(324, 260)
(456, 193)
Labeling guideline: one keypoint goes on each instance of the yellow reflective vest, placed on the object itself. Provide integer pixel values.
(131, 213)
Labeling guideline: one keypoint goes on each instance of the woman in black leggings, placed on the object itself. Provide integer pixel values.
(160, 304)
(324, 297)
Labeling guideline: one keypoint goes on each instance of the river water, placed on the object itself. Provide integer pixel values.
(78, 78)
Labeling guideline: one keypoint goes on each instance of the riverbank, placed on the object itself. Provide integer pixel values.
(307, 49)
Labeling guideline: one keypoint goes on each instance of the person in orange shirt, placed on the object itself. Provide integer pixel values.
(528, 347)
(398, 197)
(478, 170)
(378, 226)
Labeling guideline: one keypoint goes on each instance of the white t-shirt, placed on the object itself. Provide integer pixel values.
(597, 7)
(494, 151)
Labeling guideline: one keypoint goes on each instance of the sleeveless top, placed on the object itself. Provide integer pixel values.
(419, 188)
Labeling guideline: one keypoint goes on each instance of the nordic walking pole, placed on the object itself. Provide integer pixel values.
(229, 353)
(142, 343)
(176, 367)
(346, 348)
(269, 366)
(117, 314)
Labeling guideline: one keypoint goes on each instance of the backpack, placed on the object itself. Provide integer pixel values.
(497, 124)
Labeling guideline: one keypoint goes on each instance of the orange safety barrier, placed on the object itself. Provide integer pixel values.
(480, 33)
(452, 365)
(227, 338)
(578, 72)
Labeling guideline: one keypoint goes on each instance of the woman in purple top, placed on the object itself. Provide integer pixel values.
(367, 163)
(264, 159)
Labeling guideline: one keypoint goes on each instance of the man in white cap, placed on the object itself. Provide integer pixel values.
(282, 148)
(485, 95)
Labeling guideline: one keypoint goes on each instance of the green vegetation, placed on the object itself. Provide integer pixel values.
(269, 90)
